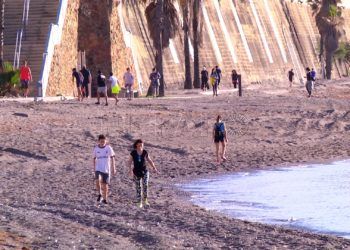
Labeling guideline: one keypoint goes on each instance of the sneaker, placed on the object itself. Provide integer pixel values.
(99, 198)
(139, 204)
(106, 104)
(104, 202)
(145, 201)
(97, 103)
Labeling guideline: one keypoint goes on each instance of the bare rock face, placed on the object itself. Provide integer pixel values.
(65, 55)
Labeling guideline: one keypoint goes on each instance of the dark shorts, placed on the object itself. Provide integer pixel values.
(24, 84)
(104, 176)
(219, 138)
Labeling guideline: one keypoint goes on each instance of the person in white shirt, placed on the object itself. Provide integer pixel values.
(115, 87)
(128, 83)
(104, 160)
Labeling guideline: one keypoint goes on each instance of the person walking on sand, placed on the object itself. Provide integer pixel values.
(79, 83)
(290, 77)
(87, 80)
(313, 75)
(308, 81)
(220, 136)
(101, 87)
(234, 78)
(128, 83)
(115, 87)
(218, 72)
(139, 172)
(103, 162)
(204, 78)
(155, 77)
(214, 81)
(25, 75)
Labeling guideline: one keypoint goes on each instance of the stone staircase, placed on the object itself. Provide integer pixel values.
(41, 14)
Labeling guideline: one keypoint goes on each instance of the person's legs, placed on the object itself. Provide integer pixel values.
(217, 151)
(138, 188)
(104, 187)
(86, 90)
(106, 96)
(79, 93)
(223, 143)
(98, 96)
(98, 186)
(145, 186)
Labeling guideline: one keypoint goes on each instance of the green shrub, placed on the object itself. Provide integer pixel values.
(9, 79)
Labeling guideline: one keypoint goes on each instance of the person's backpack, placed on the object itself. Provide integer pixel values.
(219, 129)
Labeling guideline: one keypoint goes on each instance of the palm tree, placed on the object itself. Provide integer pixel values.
(163, 24)
(196, 42)
(186, 28)
(2, 24)
(329, 23)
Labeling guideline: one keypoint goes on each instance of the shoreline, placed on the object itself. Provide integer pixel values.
(187, 195)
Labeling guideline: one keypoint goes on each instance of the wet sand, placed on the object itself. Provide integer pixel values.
(46, 181)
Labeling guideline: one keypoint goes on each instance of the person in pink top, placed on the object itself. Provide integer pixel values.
(25, 75)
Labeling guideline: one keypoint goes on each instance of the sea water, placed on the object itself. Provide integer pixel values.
(313, 197)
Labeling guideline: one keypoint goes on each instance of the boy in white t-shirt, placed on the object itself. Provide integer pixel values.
(104, 159)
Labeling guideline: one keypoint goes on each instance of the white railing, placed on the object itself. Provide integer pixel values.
(19, 36)
(53, 39)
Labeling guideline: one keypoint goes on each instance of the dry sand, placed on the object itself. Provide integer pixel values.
(46, 182)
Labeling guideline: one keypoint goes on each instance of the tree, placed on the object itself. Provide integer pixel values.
(329, 23)
(196, 42)
(343, 54)
(163, 24)
(186, 28)
(2, 23)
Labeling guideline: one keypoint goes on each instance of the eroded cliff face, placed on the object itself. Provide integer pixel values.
(65, 55)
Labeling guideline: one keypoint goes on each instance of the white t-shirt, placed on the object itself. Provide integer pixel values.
(103, 155)
(128, 78)
(113, 80)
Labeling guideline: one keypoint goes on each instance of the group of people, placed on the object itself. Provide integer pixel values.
(215, 79)
(83, 79)
(310, 79)
(104, 164)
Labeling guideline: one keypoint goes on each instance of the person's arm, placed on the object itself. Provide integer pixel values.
(129, 164)
(30, 75)
(94, 165)
(113, 165)
(90, 78)
(214, 133)
(149, 160)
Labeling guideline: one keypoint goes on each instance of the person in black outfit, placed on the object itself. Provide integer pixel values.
(139, 172)
(204, 78)
(218, 72)
(309, 80)
(290, 77)
(101, 87)
(87, 80)
(234, 77)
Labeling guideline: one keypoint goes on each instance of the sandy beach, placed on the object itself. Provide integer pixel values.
(46, 181)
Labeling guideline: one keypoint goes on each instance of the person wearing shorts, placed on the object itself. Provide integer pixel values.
(115, 88)
(101, 87)
(25, 76)
(140, 172)
(104, 160)
(128, 83)
(220, 136)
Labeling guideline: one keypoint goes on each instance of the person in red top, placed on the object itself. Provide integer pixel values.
(25, 77)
